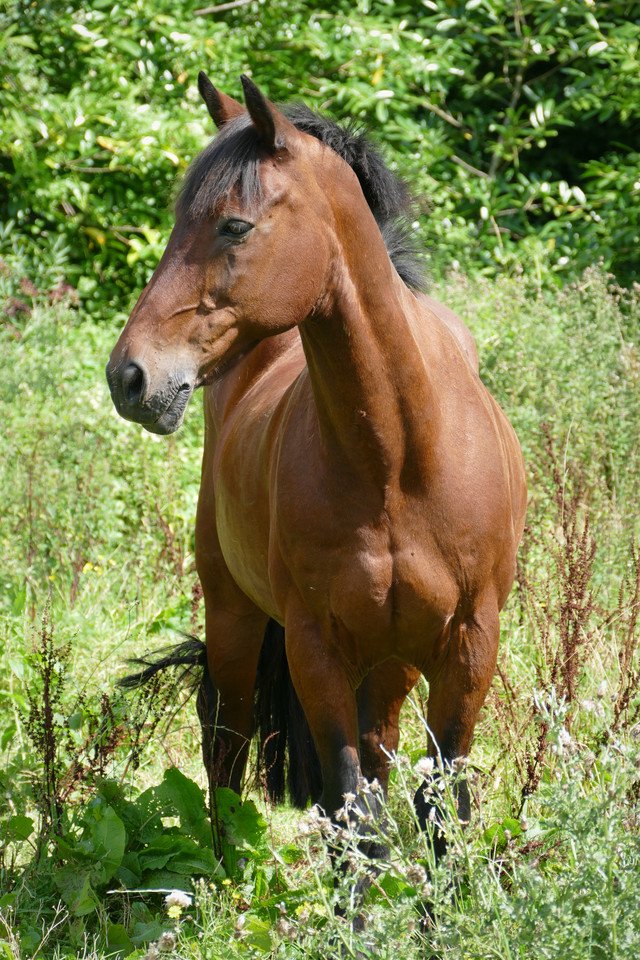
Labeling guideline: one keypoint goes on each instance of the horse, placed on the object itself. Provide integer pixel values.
(362, 494)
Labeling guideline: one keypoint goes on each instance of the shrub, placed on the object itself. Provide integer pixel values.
(516, 125)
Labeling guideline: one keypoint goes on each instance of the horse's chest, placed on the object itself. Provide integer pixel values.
(386, 602)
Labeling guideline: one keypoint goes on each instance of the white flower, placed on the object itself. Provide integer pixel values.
(602, 690)
(167, 942)
(424, 766)
(363, 785)
(416, 875)
(178, 898)
(285, 929)
(313, 822)
(564, 742)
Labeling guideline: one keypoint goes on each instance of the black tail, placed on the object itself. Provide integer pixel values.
(191, 654)
(286, 753)
(283, 731)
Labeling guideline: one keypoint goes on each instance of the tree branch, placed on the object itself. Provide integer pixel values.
(220, 7)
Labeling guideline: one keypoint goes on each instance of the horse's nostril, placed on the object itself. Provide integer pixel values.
(134, 383)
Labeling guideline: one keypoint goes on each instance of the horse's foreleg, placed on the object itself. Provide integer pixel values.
(380, 698)
(456, 694)
(225, 701)
(328, 699)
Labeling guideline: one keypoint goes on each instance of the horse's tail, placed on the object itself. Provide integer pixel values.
(190, 656)
(286, 752)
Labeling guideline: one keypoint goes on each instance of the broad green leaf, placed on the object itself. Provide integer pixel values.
(75, 888)
(18, 827)
(178, 796)
(241, 823)
(109, 839)
(118, 940)
(256, 933)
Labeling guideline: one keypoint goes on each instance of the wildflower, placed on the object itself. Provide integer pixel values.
(176, 902)
(285, 929)
(416, 875)
(363, 785)
(349, 799)
(564, 741)
(424, 766)
(427, 891)
(178, 898)
(375, 786)
(167, 942)
(152, 953)
(314, 822)
(601, 692)
(240, 925)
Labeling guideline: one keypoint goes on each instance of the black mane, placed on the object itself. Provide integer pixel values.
(232, 159)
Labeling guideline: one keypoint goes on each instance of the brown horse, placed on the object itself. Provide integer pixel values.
(360, 487)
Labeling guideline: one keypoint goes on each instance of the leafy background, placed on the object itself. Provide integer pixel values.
(517, 123)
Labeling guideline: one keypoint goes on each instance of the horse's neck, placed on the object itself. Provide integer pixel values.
(369, 378)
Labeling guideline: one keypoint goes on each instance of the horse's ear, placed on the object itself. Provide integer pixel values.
(221, 107)
(271, 124)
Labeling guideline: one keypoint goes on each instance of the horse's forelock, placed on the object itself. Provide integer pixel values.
(230, 161)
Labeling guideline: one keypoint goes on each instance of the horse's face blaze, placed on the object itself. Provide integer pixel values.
(245, 272)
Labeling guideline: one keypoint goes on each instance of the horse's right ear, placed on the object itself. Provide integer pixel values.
(221, 107)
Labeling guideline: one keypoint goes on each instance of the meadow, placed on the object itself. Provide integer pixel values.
(516, 126)
(103, 792)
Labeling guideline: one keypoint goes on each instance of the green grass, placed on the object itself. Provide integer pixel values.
(97, 537)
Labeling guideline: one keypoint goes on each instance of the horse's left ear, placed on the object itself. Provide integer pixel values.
(271, 124)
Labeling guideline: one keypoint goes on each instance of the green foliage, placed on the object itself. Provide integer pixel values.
(116, 848)
(516, 124)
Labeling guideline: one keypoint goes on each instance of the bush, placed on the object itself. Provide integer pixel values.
(515, 124)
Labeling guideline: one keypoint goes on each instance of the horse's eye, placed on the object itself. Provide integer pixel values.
(235, 228)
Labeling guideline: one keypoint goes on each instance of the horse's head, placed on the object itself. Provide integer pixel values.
(250, 255)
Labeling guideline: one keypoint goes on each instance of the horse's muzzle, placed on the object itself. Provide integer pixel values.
(159, 409)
